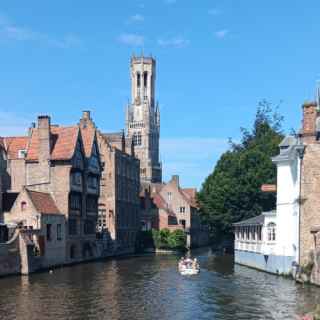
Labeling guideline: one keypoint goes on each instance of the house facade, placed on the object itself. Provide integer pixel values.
(178, 209)
(270, 242)
(119, 203)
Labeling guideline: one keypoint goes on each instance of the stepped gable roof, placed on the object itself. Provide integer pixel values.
(63, 142)
(255, 221)
(87, 134)
(43, 202)
(13, 144)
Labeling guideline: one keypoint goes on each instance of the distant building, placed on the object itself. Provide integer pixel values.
(178, 209)
(270, 242)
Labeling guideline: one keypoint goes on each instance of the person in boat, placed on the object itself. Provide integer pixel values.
(195, 264)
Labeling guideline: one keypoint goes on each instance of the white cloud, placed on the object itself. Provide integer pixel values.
(214, 11)
(14, 124)
(131, 39)
(221, 33)
(11, 31)
(192, 158)
(176, 42)
(136, 18)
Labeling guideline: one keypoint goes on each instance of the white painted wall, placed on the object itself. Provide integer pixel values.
(288, 188)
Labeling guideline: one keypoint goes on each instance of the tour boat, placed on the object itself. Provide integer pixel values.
(186, 269)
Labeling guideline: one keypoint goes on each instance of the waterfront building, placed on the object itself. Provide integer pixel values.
(43, 226)
(270, 242)
(119, 212)
(63, 162)
(143, 118)
(178, 210)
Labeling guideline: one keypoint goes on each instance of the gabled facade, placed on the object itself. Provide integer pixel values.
(64, 162)
(178, 209)
(37, 214)
(119, 212)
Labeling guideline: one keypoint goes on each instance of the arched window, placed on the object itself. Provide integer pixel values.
(271, 231)
(138, 79)
(23, 206)
(145, 79)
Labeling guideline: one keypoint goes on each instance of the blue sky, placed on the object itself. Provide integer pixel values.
(215, 61)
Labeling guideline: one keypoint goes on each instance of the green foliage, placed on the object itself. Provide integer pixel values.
(164, 239)
(232, 191)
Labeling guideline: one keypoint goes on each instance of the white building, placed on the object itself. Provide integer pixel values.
(270, 242)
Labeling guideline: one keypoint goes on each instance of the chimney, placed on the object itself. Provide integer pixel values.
(175, 179)
(309, 121)
(44, 138)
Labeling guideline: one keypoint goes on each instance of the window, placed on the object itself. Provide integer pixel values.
(92, 204)
(59, 232)
(259, 234)
(73, 227)
(271, 231)
(172, 220)
(169, 196)
(137, 139)
(89, 227)
(23, 206)
(93, 182)
(183, 222)
(182, 209)
(145, 79)
(76, 178)
(48, 232)
(22, 154)
(75, 201)
(138, 79)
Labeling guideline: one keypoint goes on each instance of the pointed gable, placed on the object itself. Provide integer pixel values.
(43, 202)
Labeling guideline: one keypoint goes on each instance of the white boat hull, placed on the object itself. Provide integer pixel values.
(188, 271)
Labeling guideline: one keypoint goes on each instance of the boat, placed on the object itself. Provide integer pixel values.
(188, 267)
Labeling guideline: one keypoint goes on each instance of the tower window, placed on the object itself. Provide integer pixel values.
(138, 79)
(145, 79)
(137, 141)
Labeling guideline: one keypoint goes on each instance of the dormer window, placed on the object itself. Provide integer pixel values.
(22, 153)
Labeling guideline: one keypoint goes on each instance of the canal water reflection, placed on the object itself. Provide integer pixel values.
(149, 287)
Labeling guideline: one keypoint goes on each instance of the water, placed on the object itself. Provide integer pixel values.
(149, 287)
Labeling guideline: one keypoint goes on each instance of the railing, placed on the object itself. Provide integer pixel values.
(255, 246)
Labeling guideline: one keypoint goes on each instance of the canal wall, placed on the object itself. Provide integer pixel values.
(10, 262)
(269, 263)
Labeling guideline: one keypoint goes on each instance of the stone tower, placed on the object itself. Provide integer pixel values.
(143, 118)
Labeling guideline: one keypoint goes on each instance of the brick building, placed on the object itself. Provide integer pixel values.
(63, 162)
(310, 179)
(178, 209)
(119, 212)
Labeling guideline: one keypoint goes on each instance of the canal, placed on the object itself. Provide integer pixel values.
(149, 287)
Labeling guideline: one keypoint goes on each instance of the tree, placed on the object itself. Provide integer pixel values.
(232, 191)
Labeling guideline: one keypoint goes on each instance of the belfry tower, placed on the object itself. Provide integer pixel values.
(143, 118)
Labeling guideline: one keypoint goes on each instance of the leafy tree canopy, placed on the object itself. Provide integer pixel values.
(232, 191)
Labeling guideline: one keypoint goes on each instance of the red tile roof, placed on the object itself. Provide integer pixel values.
(14, 144)
(63, 142)
(87, 135)
(43, 202)
(161, 204)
